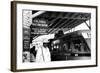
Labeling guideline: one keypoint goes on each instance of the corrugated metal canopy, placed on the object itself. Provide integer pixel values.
(65, 20)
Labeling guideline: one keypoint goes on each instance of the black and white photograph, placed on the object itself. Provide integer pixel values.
(53, 36)
(56, 36)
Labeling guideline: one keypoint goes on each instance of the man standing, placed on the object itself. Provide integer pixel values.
(43, 53)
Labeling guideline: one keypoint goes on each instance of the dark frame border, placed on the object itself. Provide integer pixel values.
(14, 35)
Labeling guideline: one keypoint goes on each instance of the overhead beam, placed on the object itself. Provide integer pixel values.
(87, 25)
(79, 18)
(55, 26)
(52, 22)
(37, 14)
(73, 21)
(74, 16)
(59, 26)
(50, 31)
(64, 22)
(76, 23)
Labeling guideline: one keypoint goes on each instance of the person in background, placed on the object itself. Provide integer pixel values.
(26, 56)
(32, 54)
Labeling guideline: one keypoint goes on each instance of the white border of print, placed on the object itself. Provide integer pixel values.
(35, 65)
